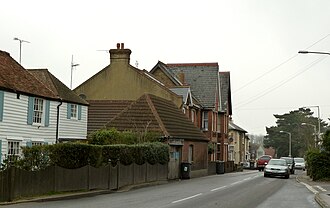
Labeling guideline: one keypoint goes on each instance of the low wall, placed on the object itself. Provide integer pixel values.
(16, 183)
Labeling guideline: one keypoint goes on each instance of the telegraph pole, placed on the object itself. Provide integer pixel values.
(72, 67)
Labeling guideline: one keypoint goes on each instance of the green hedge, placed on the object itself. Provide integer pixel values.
(318, 163)
(76, 155)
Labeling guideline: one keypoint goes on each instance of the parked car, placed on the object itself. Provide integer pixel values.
(277, 167)
(290, 162)
(263, 161)
(299, 163)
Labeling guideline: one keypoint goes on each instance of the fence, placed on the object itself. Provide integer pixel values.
(17, 183)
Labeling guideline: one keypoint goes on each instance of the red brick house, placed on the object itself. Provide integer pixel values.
(210, 89)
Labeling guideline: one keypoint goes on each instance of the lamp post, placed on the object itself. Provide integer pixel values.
(319, 121)
(20, 47)
(289, 141)
(314, 126)
(316, 52)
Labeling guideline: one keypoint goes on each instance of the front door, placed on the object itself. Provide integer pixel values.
(174, 163)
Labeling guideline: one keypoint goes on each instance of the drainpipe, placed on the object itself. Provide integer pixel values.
(57, 120)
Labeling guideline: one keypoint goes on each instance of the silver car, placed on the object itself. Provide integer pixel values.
(299, 163)
(277, 167)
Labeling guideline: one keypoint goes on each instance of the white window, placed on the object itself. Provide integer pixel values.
(74, 111)
(38, 110)
(205, 121)
(37, 143)
(13, 148)
(193, 115)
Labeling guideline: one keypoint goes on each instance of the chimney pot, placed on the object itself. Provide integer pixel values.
(122, 45)
(118, 45)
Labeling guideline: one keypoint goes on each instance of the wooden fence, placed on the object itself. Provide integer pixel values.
(16, 183)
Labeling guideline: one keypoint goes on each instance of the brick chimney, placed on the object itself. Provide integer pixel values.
(182, 78)
(120, 54)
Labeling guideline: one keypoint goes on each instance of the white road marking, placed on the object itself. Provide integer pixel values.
(190, 197)
(222, 187)
(236, 182)
(310, 188)
(319, 187)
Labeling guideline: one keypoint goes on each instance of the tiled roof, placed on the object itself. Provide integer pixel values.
(225, 93)
(156, 114)
(60, 89)
(13, 77)
(102, 111)
(202, 78)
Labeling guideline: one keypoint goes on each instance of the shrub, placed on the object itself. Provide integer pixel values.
(75, 155)
(104, 137)
(318, 164)
(35, 158)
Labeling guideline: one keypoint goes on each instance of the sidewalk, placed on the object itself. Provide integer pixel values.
(322, 197)
(77, 195)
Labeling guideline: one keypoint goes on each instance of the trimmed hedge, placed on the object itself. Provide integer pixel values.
(76, 155)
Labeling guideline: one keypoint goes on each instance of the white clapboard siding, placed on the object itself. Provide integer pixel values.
(72, 128)
(14, 123)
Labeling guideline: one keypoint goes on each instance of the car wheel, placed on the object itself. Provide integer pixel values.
(287, 176)
(265, 175)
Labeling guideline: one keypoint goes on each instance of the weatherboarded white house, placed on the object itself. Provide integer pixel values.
(36, 109)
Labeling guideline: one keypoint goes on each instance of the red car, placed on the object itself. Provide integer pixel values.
(263, 161)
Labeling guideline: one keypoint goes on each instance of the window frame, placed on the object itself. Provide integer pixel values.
(38, 115)
(13, 150)
(74, 111)
(205, 121)
(191, 153)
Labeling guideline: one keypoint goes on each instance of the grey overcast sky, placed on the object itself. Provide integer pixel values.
(256, 40)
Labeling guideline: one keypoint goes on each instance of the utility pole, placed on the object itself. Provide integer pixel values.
(72, 67)
(20, 47)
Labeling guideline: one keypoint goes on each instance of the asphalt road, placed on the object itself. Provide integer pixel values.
(248, 189)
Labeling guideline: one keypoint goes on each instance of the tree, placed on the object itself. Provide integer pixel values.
(302, 137)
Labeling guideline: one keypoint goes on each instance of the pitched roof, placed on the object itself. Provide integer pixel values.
(60, 89)
(156, 114)
(202, 78)
(102, 111)
(182, 91)
(225, 92)
(233, 126)
(13, 77)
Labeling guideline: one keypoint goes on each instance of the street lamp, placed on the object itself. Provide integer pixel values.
(318, 119)
(289, 141)
(317, 52)
(20, 47)
(314, 126)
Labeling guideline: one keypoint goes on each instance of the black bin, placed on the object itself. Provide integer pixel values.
(252, 165)
(220, 167)
(185, 170)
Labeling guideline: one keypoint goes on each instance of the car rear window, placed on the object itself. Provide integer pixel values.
(265, 158)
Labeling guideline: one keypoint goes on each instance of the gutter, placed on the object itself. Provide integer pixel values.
(57, 120)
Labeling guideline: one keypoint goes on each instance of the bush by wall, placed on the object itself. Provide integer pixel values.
(76, 155)
(113, 136)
